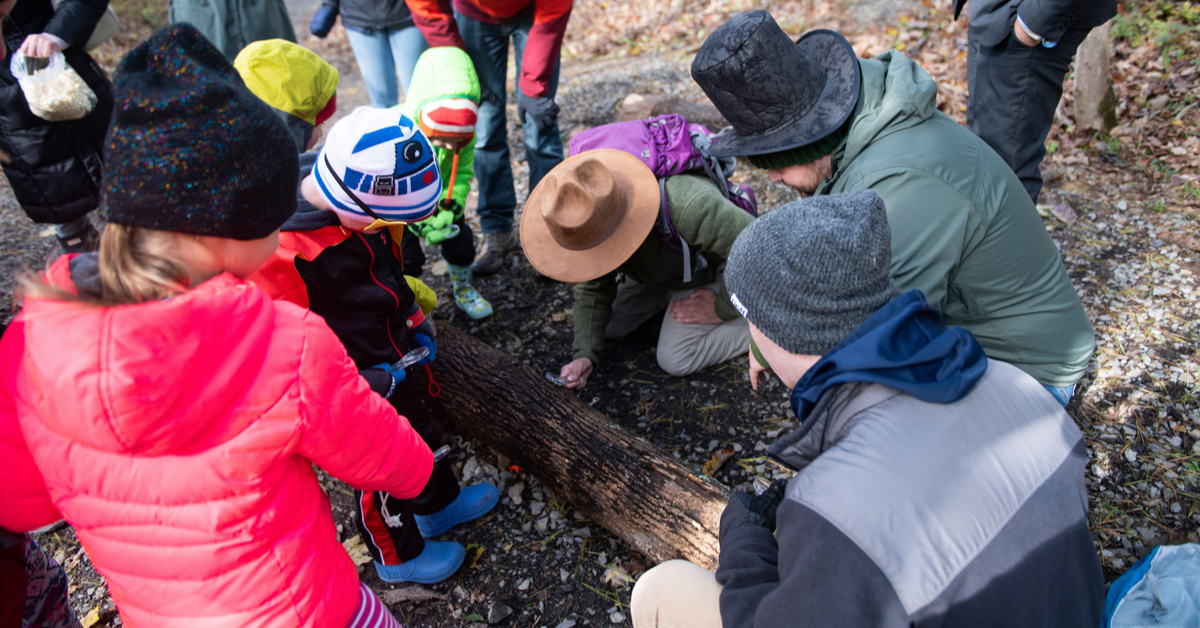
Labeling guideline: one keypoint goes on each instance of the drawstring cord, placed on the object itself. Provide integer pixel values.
(434, 388)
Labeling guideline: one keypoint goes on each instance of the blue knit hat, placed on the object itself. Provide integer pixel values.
(190, 149)
(376, 165)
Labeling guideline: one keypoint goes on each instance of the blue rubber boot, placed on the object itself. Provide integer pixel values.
(472, 503)
(438, 561)
(466, 297)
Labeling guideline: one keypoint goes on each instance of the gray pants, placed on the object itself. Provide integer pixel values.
(683, 349)
(1014, 91)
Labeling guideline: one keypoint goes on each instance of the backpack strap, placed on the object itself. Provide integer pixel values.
(669, 234)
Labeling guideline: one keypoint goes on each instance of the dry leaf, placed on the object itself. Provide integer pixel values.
(475, 559)
(717, 461)
(1185, 240)
(412, 593)
(91, 618)
(357, 550)
(615, 575)
(1064, 212)
(559, 317)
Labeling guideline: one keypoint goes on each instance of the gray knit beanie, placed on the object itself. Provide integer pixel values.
(810, 272)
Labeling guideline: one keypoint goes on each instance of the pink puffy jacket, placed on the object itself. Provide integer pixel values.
(178, 437)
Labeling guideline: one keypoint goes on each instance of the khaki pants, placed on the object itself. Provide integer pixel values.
(683, 349)
(676, 594)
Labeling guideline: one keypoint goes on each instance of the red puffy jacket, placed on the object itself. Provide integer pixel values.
(178, 437)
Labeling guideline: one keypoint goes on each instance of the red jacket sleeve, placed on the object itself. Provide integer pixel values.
(543, 46)
(24, 501)
(435, 19)
(351, 432)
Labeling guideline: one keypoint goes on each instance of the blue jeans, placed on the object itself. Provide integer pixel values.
(383, 54)
(487, 45)
(1062, 394)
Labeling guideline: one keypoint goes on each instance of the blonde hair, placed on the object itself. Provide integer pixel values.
(131, 271)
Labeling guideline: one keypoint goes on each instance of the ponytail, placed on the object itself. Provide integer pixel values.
(130, 271)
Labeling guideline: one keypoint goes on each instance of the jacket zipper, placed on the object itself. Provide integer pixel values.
(395, 298)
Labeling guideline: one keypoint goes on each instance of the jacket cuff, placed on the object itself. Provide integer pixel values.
(724, 307)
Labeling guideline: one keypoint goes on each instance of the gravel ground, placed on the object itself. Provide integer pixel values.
(537, 562)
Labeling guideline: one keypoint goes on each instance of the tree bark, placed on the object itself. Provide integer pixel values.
(633, 489)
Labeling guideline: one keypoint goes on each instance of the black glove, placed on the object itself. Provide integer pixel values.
(763, 507)
(323, 21)
(542, 109)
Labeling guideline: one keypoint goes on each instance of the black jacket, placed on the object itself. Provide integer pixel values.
(368, 15)
(55, 168)
(357, 286)
(992, 20)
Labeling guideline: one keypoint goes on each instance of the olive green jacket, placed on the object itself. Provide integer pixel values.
(964, 231)
(704, 218)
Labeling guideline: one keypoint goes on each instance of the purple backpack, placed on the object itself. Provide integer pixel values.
(668, 145)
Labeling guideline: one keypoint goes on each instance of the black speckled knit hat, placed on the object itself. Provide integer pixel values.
(190, 149)
(810, 272)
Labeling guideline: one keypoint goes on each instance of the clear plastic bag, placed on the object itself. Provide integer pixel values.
(53, 89)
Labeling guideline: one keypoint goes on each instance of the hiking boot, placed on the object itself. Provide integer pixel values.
(438, 561)
(472, 503)
(495, 245)
(81, 241)
(466, 297)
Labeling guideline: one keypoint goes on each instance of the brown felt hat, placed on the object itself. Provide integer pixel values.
(589, 214)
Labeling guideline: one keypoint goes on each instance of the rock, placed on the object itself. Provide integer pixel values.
(537, 507)
(497, 612)
(524, 585)
(639, 107)
(564, 575)
(617, 617)
(566, 623)
(1095, 102)
(514, 493)
(459, 593)
(470, 469)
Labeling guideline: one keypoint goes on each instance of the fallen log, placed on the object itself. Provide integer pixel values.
(630, 487)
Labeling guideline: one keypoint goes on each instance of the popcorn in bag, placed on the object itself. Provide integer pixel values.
(54, 90)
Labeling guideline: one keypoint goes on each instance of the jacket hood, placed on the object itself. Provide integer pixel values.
(289, 77)
(146, 379)
(441, 73)
(896, 94)
(905, 346)
(309, 217)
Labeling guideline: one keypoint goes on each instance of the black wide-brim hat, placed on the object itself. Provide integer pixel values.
(776, 93)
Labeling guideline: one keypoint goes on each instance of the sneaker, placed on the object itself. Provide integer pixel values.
(466, 297)
(472, 503)
(495, 245)
(438, 561)
(82, 242)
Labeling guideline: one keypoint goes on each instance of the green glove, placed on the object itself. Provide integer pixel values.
(439, 227)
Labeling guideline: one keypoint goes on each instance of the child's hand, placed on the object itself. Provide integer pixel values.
(420, 332)
(397, 376)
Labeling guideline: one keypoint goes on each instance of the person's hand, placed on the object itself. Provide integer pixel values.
(542, 109)
(39, 45)
(420, 332)
(1023, 35)
(323, 21)
(698, 308)
(763, 507)
(575, 373)
(757, 369)
(396, 375)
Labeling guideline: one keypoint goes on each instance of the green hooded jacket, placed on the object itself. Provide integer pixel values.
(964, 231)
(443, 73)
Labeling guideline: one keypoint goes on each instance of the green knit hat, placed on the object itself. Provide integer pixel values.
(805, 154)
